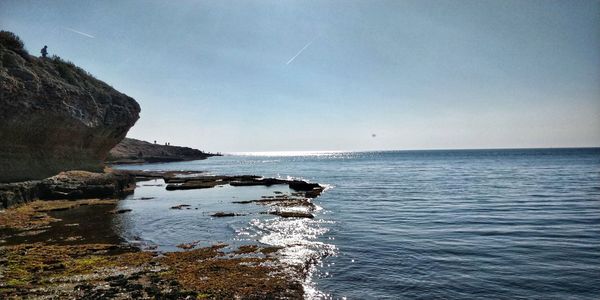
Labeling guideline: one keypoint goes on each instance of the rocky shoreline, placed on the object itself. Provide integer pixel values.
(57, 239)
(74, 264)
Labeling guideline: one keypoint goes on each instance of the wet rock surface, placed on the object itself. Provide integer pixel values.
(176, 182)
(225, 214)
(292, 214)
(180, 206)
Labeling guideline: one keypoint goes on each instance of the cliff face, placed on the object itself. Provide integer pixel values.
(136, 151)
(54, 116)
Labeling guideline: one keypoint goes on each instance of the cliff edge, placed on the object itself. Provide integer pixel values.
(55, 116)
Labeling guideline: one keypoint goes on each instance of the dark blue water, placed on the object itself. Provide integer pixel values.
(468, 224)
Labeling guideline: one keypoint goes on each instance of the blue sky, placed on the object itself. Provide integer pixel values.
(418, 74)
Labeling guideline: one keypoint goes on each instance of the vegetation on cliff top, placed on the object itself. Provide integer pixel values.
(13, 42)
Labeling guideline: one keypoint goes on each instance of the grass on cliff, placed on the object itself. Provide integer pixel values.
(69, 71)
(12, 42)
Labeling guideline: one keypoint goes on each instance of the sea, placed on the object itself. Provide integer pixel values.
(435, 224)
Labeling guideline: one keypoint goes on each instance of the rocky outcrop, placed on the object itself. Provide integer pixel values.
(84, 185)
(55, 116)
(67, 185)
(130, 151)
(19, 192)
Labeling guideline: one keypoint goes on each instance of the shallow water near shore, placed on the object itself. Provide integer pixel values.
(162, 219)
(464, 224)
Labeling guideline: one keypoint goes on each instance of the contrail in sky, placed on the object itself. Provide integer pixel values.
(79, 32)
(301, 50)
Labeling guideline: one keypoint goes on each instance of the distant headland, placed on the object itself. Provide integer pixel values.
(132, 151)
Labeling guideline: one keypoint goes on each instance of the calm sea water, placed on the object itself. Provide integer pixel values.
(468, 224)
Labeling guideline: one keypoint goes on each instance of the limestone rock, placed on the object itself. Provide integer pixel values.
(55, 116)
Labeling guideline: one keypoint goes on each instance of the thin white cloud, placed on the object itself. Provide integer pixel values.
(301, 50)
(79, 32)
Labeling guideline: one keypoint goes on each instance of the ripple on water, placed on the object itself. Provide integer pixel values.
(469, 224)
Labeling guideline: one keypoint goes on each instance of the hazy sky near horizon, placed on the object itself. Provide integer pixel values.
(327, 75)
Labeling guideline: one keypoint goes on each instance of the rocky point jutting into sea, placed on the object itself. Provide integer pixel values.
(132, 151)
(59, 203)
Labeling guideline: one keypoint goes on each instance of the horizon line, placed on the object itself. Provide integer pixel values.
(400, 150)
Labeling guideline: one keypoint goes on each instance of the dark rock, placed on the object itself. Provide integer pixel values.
(299, 185)
(314, 193)
(180, 206)
(121, 211)
(56, 117)
(189, 185)
(244, 202)
(292, 214)
(19, 192)
(224, 214)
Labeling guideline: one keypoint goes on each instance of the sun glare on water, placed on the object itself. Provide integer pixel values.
(292, 153)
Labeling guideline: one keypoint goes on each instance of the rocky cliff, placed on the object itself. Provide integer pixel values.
(54, 116)
(136, 151)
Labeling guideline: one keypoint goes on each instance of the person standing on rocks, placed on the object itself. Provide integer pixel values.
(44, 51)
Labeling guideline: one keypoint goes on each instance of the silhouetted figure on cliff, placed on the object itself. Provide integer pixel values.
(44, 51)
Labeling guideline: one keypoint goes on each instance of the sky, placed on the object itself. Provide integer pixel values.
(229, 76)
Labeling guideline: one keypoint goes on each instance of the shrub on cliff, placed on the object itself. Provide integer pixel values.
(12, 42)
(69, 71)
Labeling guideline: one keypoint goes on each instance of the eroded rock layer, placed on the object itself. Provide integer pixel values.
(55, 116)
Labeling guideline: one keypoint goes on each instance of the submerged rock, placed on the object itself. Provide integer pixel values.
(225, 214)
(190, 185)
(55, 116)
(292, 214)
(311, 190)
(180, 206)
